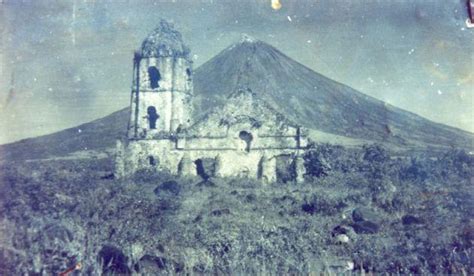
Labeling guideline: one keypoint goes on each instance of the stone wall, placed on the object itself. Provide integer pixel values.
(162, 155)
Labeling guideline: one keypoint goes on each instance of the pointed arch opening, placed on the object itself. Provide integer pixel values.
(154, 76)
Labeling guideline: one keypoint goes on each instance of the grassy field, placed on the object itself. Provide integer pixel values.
(359, 210)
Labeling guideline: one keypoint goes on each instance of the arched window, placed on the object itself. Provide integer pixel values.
(247, 138)
(152, 117)
(154, 76)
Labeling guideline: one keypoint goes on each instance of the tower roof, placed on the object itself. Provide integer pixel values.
(164, 41)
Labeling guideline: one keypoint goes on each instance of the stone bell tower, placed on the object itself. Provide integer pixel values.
(162, 86)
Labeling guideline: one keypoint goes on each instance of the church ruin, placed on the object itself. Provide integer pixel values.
(246, 137)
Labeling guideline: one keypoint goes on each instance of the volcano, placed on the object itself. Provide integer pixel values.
(330, 110)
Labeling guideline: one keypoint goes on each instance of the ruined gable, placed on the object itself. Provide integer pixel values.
(243, 110)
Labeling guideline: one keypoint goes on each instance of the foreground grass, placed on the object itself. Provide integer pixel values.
(57, 214)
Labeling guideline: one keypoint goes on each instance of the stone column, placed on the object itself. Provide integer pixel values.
(299, 169)
(268, 169)
(186, 167)
(119, 170)
(218, 166)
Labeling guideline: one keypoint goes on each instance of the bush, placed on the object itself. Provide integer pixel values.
(315, 161)
(457, 162)
(375, 161)
(415, 170)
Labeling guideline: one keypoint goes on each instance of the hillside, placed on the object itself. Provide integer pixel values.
(332, 111)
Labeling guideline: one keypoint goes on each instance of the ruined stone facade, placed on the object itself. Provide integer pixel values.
(246, 137)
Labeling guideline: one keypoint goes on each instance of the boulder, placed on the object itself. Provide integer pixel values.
(365, 227)
(365, 214)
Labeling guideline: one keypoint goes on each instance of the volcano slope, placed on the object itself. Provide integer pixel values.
(329, 109)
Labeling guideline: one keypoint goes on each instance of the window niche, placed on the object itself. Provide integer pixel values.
(152, 117)
(154, 77)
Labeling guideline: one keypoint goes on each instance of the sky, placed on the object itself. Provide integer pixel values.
(63, 63)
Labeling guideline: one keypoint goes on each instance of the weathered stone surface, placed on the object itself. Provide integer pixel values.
(164, 41)
(300, 169)
(244, 137)
(268, 169)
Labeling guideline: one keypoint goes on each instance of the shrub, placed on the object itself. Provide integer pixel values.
(375, 161)
(457, 162)
(415, 170)
(315, 161)
(375, 153)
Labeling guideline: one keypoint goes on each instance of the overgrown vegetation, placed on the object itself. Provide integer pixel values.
(359, 209)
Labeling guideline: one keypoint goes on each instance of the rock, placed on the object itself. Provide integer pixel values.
(168, 187)
(409, 220)
(340, 230)
(366, 221)
(365, 227)
(365, 214)
(342, 238)
(220, 212)
(309, 208)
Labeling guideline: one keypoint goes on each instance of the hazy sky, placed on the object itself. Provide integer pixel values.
(71, 61)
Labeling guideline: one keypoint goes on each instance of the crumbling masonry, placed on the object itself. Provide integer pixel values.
(246, 137)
